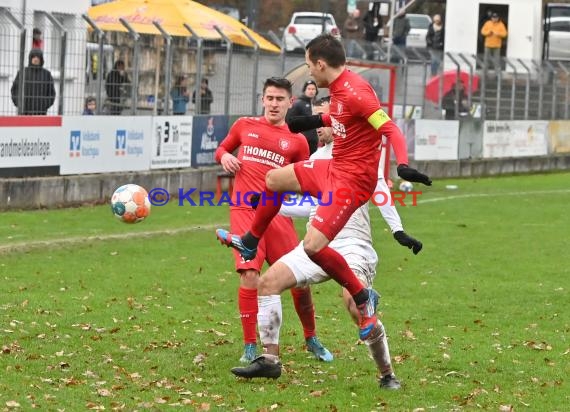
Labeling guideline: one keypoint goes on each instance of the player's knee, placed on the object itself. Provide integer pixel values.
(271, 180)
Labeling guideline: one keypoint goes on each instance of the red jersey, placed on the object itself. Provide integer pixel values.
(262, 146)
(356, 142)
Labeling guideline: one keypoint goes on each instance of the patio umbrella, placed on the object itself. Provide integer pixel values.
(449, 80)
(171, 15)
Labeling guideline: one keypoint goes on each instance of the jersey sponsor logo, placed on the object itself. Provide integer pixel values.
(284, 144)
(254, 135)
(338, 128)
(264, 156)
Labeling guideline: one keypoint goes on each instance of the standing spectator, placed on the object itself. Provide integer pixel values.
(401, 29)
(180, 95)
(494, 31)
(371, 29)
(37, 39)
(303, 106)
(450, 100)
(39, 90)
(206, 97)
(90, 106)
(434, 40)
(116, 87)
(352, 31)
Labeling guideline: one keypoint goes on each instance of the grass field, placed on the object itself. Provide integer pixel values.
(99, 315)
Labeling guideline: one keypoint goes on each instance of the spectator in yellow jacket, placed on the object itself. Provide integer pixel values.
(494, 31)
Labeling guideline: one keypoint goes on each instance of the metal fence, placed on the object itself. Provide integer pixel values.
(80, 58)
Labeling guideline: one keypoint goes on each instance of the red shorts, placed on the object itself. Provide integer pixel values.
(279, 239)
(340, 195)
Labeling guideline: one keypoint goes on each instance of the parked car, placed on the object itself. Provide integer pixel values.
(558, 39)
(305, 26)
(419, 24)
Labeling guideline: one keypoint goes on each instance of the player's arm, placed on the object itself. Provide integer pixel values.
(385, 126)
(223, 154)
(302, 123)
(391, 216)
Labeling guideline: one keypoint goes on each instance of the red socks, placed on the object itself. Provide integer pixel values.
(337, 268)
(247, 303)
(269, 205)
(303, 301)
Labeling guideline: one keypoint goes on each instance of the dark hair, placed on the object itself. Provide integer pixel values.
(36, 32)
(328, 48)
(89, 100)
(280, 83)
(308, 82)
(119, 63)
(323, 100)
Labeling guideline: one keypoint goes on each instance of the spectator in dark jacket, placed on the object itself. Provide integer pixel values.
(401, 29)
(39, 90)
(303, 106)
(206, 97)
(116, 85)
(434, 41)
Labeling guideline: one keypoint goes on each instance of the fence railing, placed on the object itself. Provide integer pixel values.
(80, 57)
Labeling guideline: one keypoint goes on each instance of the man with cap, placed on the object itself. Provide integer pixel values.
(494, 31)
(39, 90)
(303, 106)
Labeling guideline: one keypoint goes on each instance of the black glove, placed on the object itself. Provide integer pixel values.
(412, 175)
(302, 123)
(254, 200)
(405, 240)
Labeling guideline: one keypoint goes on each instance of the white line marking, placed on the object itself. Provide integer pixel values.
(27, 246)
(466, 196)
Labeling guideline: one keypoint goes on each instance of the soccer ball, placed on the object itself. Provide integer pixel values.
(406, 187)
(130, 203)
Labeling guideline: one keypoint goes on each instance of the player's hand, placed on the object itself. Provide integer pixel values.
(412, 175)
(405, 240)
(230, 163)
(302, 123)
(254, 200)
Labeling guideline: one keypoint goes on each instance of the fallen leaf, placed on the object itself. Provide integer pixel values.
(506, 408)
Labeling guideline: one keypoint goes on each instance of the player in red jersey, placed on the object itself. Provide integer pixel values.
(265, 143)
(348, 179)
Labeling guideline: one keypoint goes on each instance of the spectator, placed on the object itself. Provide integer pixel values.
(303, 106)
(116, 87)
(90, 106)
(450, 99)
(180, 95)
(39, 90)
(206, 97)
(352, 32)
(37, 39)
(371, 29)
(435, 40)
(494, 31)
(401, 29)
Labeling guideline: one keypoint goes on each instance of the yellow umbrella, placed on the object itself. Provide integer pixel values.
(172, 14)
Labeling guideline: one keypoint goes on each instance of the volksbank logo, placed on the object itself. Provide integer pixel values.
(75, 143)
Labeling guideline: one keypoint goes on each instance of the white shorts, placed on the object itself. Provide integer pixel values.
(360, 256)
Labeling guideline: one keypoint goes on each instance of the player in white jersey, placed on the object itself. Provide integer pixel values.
(354, 243)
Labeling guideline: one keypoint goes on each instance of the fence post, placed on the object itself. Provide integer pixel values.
(199, 59)
(167, 70)
(101, 37)
(470, 81)
(135, 84)
(527, 88)
(229, 56)
(21, 63)
(255, 71)
(62, 52)
(513, 87)
(566, 95)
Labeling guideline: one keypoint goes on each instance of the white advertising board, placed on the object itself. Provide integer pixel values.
(436, 139)
(518, 138)
(29, 141)
(171, 142)
(99, 144)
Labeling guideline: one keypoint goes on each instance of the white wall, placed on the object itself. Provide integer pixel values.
(524, 25)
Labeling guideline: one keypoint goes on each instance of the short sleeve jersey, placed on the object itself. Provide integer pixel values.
(262, 147)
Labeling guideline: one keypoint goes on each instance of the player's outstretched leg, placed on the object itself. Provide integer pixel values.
(367, 312)
(316, 348)
(265, 366)
(230, 240)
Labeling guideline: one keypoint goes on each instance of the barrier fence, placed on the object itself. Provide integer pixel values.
(80, 57)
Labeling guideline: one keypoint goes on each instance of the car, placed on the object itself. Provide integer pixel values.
(305, 26)
(557, 33)
(419, 24)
